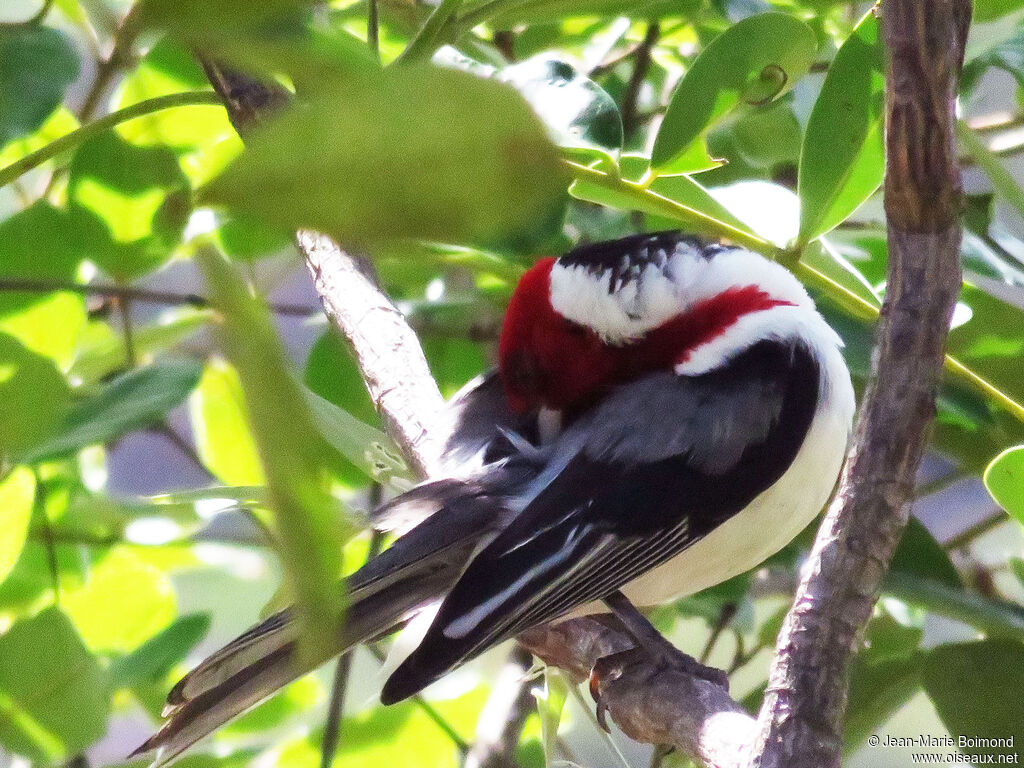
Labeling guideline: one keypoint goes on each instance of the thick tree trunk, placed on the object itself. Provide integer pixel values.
(801, 720)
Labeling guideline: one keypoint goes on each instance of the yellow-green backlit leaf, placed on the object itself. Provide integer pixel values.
(17, 492)
(123, 603)
(220, 423)
(296, 459)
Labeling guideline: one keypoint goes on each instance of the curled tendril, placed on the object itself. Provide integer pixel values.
(771, 74)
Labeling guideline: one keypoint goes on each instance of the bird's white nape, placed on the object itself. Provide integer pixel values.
(625, 312)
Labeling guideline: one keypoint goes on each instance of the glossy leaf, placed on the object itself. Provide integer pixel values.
(1004, 479)
(842, 160)
(53, 693)
(295, 457)
(35, 398)
(1007, 55)
(975, 688)
(220, 423)
(576, 110)
(753, 62)
(128, 204)
(39, 63)
(422, 157)
(365, 447)
(17, 493)
(135, 399)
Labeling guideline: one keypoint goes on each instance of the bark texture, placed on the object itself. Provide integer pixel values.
(801, 720)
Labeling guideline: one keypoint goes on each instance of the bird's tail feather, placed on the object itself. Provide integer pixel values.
(389, 590)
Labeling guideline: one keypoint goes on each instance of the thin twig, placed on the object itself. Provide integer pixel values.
(636, 81)
(335, 712)
(130, 293)
(106, 71)
(124, 306)
(430, 711)
(992, 520)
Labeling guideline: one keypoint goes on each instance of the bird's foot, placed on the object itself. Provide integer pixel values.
(660, 658)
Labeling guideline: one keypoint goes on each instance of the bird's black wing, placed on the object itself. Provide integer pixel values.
(653, 468)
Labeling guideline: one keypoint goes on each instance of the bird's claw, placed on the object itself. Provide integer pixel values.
(609, 668)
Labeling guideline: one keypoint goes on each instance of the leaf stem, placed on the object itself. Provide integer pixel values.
(88, 131)
(32, 285)
(700, 223)
(996, 618)
(1001, 179)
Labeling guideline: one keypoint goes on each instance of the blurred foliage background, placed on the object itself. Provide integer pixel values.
(185, 445)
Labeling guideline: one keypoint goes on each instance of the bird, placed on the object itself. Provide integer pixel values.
(666, 413)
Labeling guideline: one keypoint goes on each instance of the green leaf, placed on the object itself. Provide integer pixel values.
(422, 157)
(920, 554)
(296, 458)
(53, 694)
(1004, 479)
(165, 69)
(884, 675)
(153, 660)
(333, 375)
(127, 204)
(220, 423)
(245, 238)
(765, 137)
(1007, 55)
(367, 448)
(47, 322)
(101, 350)
(752, 62)
(139, 397)
(17, 492)
(842, 160)
(976, 690)
(39, 64)
(124, 602)
(576, 110)
(219, 21)
(510, 14)
(35, 398)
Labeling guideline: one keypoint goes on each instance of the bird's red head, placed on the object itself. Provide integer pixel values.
(606, 313)
(545, 359)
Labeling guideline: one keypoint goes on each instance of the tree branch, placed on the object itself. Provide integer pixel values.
(805, 701)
